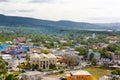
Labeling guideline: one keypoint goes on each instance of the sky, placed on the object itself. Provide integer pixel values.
(93, 11)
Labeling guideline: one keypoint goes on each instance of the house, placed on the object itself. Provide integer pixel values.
(33, 75)
(63, 41)
(19, 40)
(102, 45)
(8, 58)
(42, 60)
(96, 55)
(116, 58)
(112, 41)
(78, 75)
(35, 49)
(105, 78)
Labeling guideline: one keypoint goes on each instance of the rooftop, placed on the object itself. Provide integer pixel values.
(78, 72)
(42, 55)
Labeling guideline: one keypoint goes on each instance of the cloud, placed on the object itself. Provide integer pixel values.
(76, 10)
(4, 0)
(41, 1)
(25, 10)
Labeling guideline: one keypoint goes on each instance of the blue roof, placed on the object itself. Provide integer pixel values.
(13, 52)
(16, 51)
(5, 45)
(1, 47)
(25, 48)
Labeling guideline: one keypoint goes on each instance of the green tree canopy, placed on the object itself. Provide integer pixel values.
(3, 68)
(82, 50)
(11, 77)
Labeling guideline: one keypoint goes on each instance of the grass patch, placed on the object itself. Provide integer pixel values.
(59, 74)
(97, 72)
(15, 72)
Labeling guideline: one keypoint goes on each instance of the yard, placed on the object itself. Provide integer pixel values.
(97, 72)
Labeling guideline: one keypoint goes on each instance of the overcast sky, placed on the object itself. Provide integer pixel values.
(94, 11)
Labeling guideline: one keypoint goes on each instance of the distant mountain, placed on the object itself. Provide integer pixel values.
(47, 24)
(113, 26)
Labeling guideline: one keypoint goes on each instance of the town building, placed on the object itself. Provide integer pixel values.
(8, 58)
(19, 40)
(105, 78)
(43, 60)
(93, 35)
(78, 75)
(38, 50)
(96, 55)
(116, 58)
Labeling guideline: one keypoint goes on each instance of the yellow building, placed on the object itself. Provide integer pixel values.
(42, 60)
(78, 75)
(38, 50)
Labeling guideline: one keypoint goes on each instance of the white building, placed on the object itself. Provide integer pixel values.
(8, 58)
(93, 35)
(42, 60)
(105, 78)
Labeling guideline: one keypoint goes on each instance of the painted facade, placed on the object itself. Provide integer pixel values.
(42, 60)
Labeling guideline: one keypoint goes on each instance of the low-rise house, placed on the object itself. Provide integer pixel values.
(63, 41)
(105, 78)
(19, 40)
(33, 75)
(42, 60)
(78, 75)
(8, 58)
(112, 41)
(112, 37)
(102, 45)
(9, 42)
(96, 55)
(56, 44)
(116, 58)
(35, 49)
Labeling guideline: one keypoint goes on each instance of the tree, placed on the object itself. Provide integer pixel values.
(19, 66)
(11, 77)
(104, 53)
(91, 56)
(3, 68)
(94, 62)
(116, 71)
(70, 60)
(113, 48)
(35, 67)
(52, 66)
(82, 50)
(45, 51)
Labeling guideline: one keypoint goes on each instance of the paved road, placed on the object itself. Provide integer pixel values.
(50, 78)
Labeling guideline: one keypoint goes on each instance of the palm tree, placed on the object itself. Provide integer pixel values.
(3, 68)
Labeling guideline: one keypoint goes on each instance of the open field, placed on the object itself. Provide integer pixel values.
(97, 72)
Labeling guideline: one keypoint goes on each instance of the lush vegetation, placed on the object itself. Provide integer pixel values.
(114, 48)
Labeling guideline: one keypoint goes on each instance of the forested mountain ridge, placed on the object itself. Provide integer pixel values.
(63, 24)
(31, 22)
